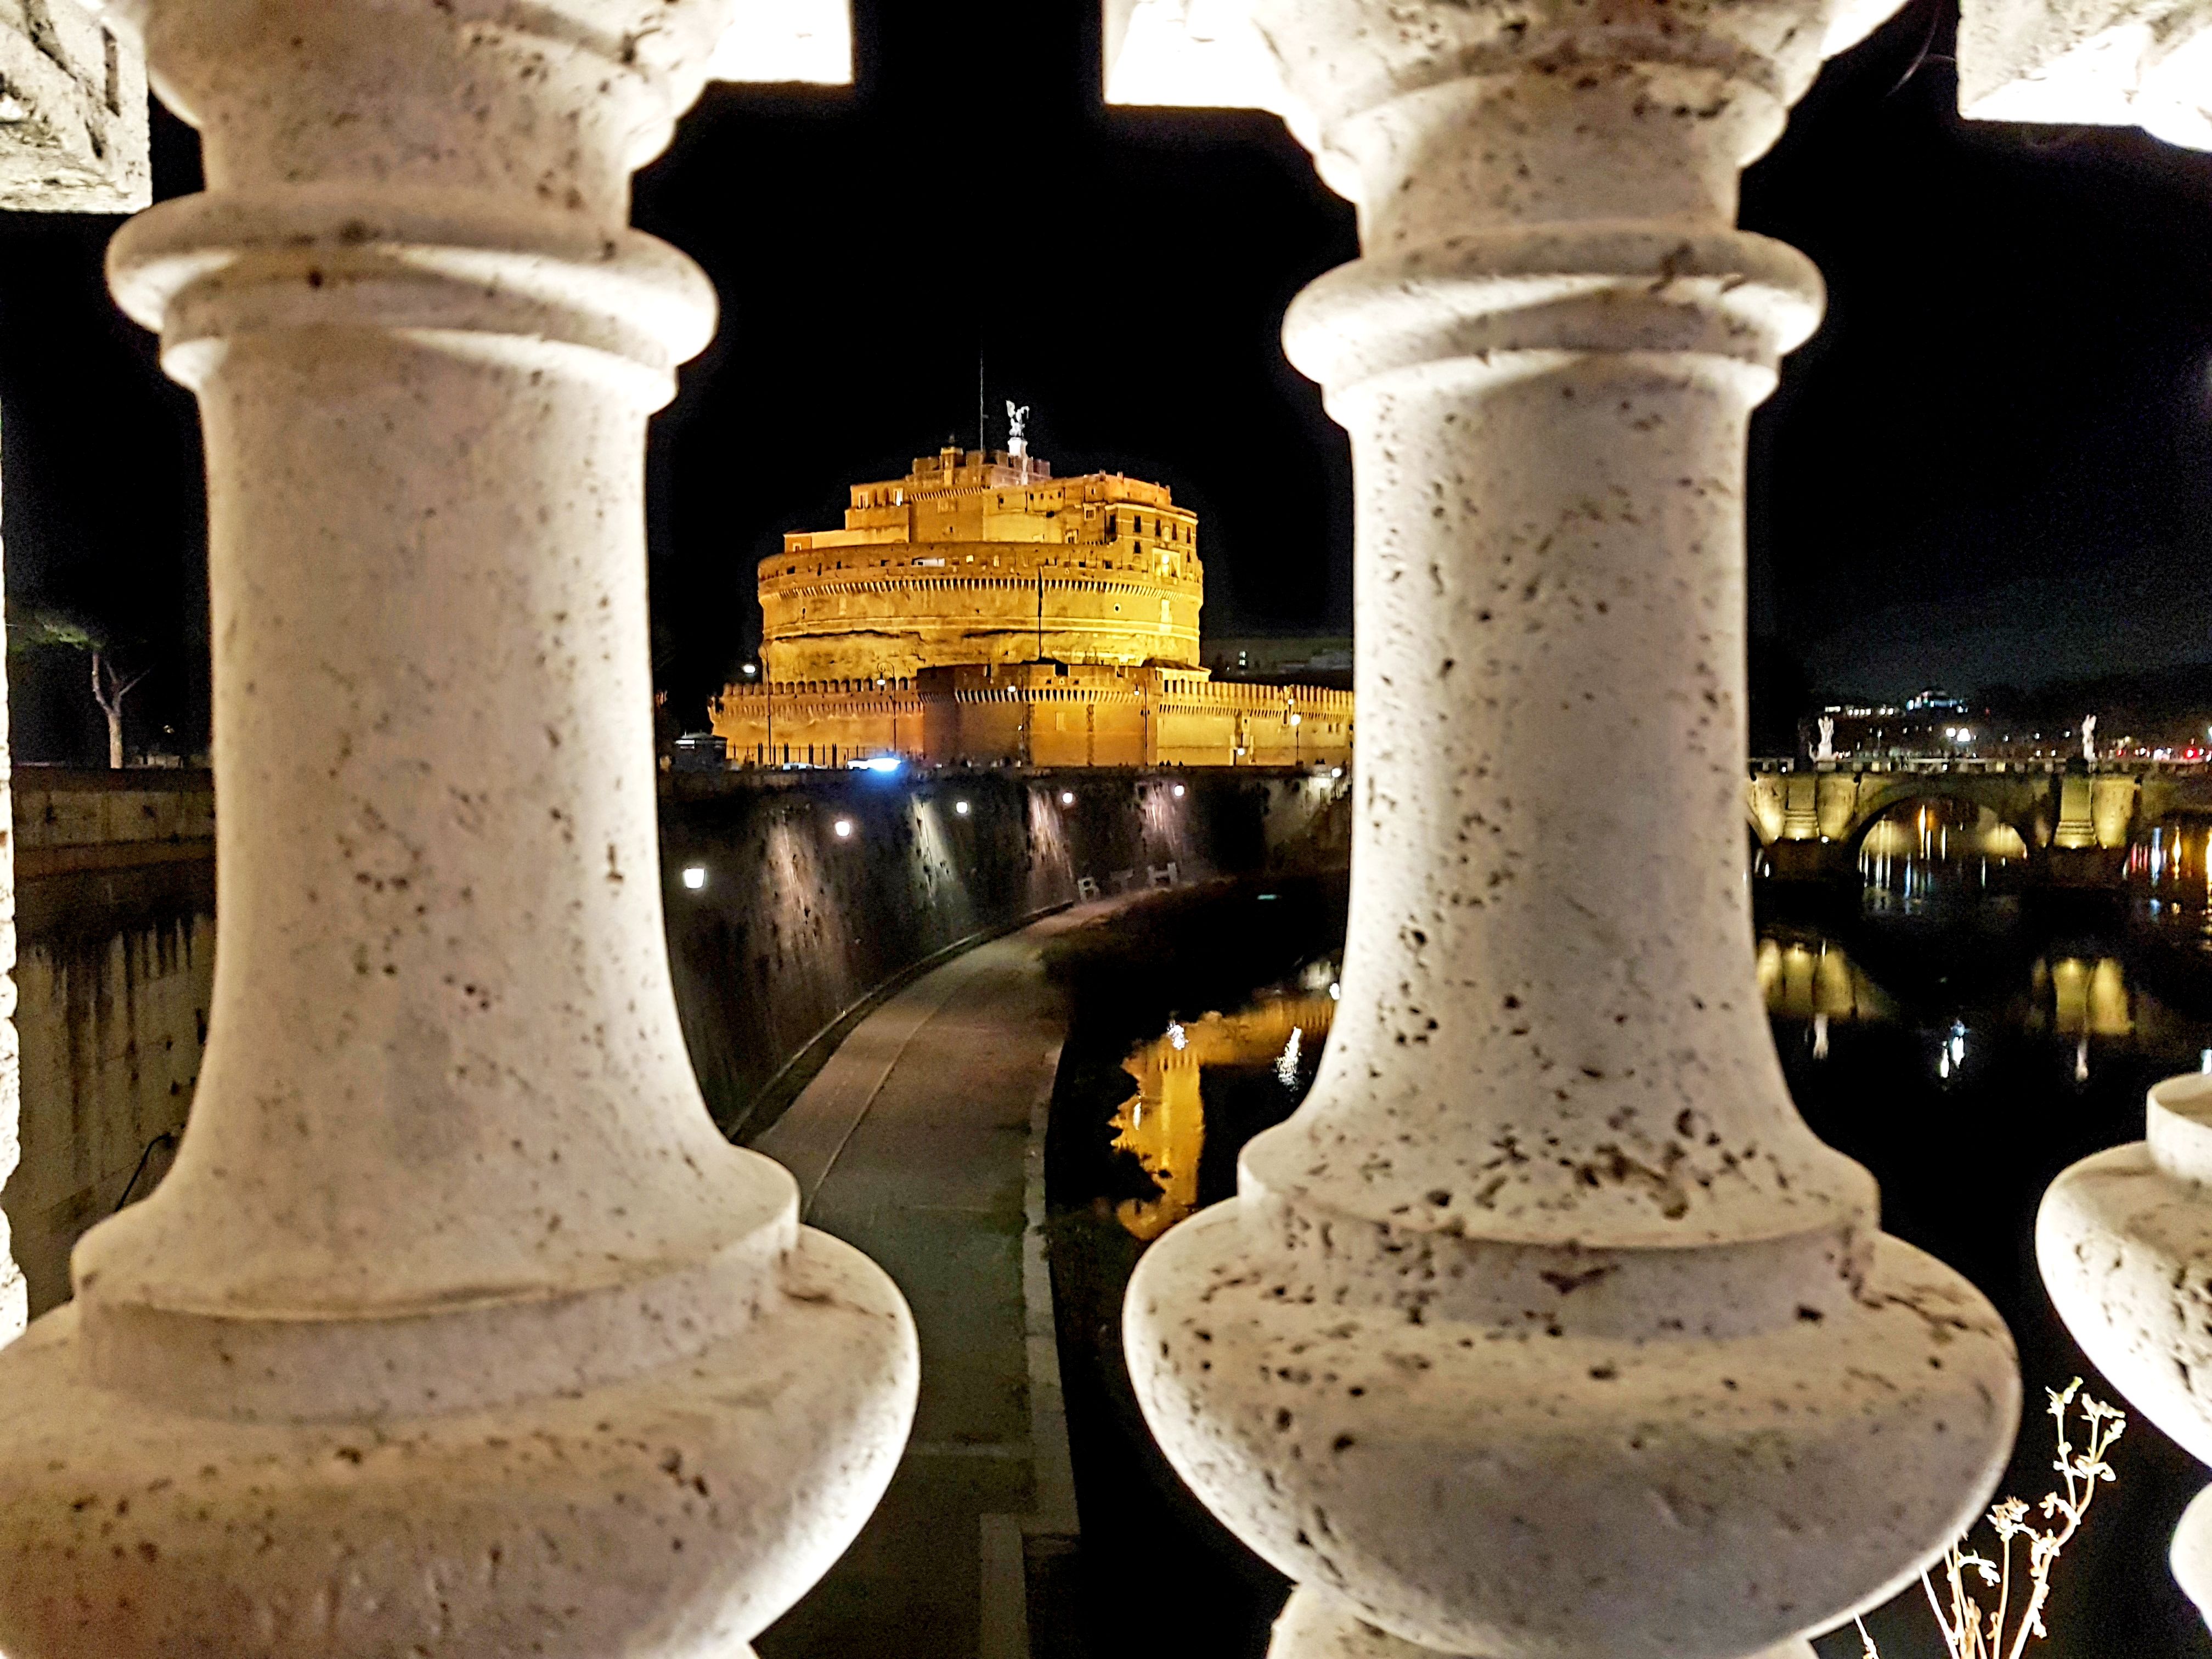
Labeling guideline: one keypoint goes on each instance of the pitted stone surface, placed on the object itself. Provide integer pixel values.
(73, 137)
(2124, 1241)
(1546, 1329)
(1550, 1492)
(455, 1329)
(674, 1514)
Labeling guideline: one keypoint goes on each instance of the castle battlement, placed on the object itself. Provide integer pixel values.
(981, 609)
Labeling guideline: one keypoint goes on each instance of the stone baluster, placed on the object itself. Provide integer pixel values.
(455, 1329)
(1546, 1326)
(74, 141)
(2123, 1237)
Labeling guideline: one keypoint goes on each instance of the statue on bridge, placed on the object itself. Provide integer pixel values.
(2089, 738)
(1827, 749)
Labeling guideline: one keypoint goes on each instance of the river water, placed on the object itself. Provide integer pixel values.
(1963, 1040)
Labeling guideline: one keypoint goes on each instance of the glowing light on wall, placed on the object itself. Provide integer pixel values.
(1068, 797)
(961, 807)
(694, 876)
(844, 828)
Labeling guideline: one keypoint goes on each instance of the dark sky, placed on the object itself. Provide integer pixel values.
(1994, 463)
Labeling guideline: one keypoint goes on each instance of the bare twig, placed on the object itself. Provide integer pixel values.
(1969, 1630)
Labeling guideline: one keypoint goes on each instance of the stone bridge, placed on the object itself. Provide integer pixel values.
(2075, 821)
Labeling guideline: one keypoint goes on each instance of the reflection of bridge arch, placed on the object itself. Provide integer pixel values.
(1887, 803)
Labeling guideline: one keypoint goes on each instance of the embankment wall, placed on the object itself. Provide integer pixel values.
(797, 925)
(794, 929)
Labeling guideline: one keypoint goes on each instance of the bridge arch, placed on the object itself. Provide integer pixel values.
(2021, 805)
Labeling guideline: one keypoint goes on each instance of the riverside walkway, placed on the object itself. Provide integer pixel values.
(921, 1141)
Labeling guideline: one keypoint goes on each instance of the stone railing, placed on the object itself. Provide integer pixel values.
(1546, 1326)
(455, 1328)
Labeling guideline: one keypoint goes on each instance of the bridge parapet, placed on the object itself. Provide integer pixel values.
(2075, 819)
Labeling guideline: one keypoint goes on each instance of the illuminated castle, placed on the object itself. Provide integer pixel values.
(979, 610)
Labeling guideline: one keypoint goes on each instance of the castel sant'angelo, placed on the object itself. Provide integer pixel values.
(980, 611)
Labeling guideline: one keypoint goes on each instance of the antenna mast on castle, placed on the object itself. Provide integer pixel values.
(982, 421)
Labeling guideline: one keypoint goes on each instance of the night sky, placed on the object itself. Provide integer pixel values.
(1993, 465)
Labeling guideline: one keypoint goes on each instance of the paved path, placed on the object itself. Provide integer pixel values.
(922, 1142)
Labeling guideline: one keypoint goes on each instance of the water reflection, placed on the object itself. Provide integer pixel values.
(2169, 880)
(1804, 975)
(2080, 993)
(1991, 985)
(1164, 1123)
(1928, 852)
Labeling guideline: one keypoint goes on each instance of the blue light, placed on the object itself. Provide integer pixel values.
(886, 764)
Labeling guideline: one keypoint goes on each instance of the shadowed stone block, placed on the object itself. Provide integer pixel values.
(72, 111)
(2102, 62)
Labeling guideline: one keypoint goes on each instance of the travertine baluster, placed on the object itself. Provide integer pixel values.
(1545, 1327)
(2124, 1239)
(455, 1329)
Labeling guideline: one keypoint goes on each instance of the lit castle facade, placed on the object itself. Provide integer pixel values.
(979, 610)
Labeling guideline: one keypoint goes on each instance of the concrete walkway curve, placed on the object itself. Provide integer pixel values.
(921, 1141)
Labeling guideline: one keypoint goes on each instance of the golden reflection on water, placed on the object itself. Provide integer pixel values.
(1808, 979)
(1801, 976)
(2174, 862)
(1164, 1123)
(1938, 848)
(2085, 998)
(2079, 997)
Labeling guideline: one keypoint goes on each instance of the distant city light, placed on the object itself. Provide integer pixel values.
(1336, 994)
(751, 670)
(1068, 797)
(1336, 771)
(961, 807)
(844, 829)
(694, 876)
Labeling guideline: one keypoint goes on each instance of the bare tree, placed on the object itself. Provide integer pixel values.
(109, 688)
(32, 627)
